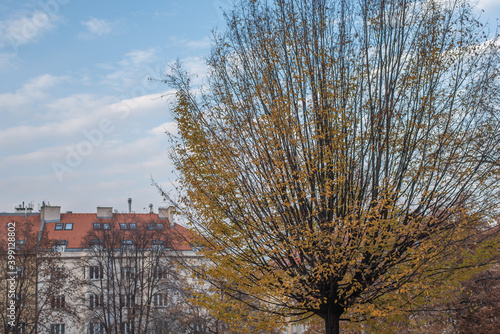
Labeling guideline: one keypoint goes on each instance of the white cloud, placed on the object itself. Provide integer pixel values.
(133, 71)
(162, 130)
(195, 44)
(25, 29)
(38, 85)
(488, 4)
(138, 57)
(98, 27)
(33, 90)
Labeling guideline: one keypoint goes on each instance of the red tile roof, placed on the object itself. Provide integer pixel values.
(83, 224)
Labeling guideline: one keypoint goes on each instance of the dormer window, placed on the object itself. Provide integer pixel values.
(127, 245)
(96, 244)
(158, 245)
(60, 245)
(19, 244)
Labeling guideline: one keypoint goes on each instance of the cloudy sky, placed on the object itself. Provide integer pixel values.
(81, 125)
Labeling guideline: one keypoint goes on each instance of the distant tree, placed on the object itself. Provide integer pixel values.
(477, 309)
(222, 314)
(469, 307)
(38, 275)
(130, 277)
(340, 153)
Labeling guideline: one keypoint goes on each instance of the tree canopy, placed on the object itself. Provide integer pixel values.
(340, 153)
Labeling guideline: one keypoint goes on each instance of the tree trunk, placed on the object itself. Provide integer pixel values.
(332, 323)
(331, 313)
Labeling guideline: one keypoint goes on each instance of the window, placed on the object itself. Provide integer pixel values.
(151, 227)
(123, 226)
(96, 328)
(20, 271)
(60, 245)
(160, 273)
(158, 245)
(198, 327)
(127, 300)
(126, 327)
(68, 226)
(19, 244)
(96, 244)
(57, 329)
(128, 273)
(133, 226)
(160, 327)
(96, 301)
(97, 226)
(159, 226)
(106, 226)
(57, 302)
(95, 272)
(57, 273)
(127, 245)
(59, 226)
(159, 300)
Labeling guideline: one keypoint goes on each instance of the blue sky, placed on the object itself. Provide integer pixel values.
(81, 125)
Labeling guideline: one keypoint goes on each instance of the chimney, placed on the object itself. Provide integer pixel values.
(50, 214)
(130, 205)
(104, 212)
(167, 213)
(151, 208)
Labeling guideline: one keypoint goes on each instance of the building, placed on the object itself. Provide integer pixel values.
(87, 272)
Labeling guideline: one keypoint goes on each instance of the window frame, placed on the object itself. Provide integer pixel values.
(127, 245)
(159, 273)
(127, 300)
(127, 273)
(95, 328)
(20, 244)
(57, 302)
(95, 273)
(20, 271)
(160, 299)
(60, 245)
(59, 227)
(95, 301)
(158, 245)
(56, 328)
(68, 226)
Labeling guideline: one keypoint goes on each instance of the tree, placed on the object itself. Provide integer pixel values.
(340, 153)
(33, 280)
(131, 276)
